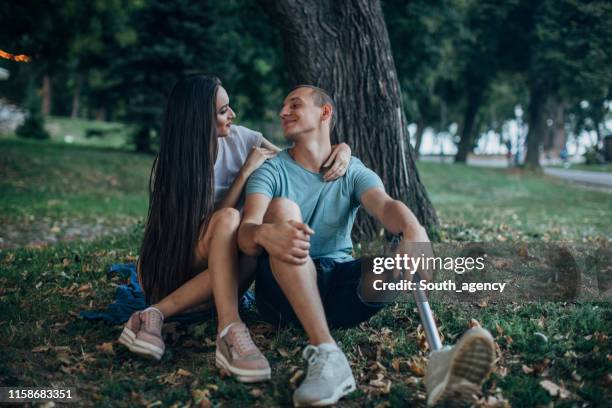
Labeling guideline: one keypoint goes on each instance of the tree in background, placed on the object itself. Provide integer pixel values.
(344, 48)
(571, 60)
(229, 40)
(33, 126)
(421, 34)
(44, 31)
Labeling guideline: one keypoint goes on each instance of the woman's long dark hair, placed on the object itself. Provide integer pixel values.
(181, 187)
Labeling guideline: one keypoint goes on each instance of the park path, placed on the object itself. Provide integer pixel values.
(592, 178)
(600, 180)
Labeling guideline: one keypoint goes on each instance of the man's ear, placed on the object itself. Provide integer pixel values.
(326, 112)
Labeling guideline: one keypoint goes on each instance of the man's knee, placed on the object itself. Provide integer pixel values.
(281, 209)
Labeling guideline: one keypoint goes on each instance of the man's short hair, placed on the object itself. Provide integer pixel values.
(320, 98)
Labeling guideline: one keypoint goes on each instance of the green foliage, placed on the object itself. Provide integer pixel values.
(33, 126)
(593, 155)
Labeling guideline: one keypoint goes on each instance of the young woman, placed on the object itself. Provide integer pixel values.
(189, 250)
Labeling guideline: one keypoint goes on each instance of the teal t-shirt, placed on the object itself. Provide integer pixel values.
(329, 208)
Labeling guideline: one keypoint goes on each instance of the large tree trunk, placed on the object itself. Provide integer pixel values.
(46, 95)
(142, 140)
(535, 135)
(556, 137)
(76, 96)
(100, 114)
(343, 47)
(419, 136)
(466, 143)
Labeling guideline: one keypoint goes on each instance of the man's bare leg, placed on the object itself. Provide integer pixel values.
(299, 282)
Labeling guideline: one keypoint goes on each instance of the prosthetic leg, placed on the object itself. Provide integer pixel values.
(454, 374)
(427, 319)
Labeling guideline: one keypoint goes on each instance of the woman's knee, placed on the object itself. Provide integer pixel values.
(226, 219)
(281, 209)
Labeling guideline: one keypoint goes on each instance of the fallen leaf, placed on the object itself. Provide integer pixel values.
(184, 373)
(284, 353)
(9, 258)
(256, 392)
(421, 339)
(418, 366)
(395, 363)
(601, 337)
(383, 384)
(527, 369)
(474, 323)
(199, 394)
(85, 287)
(106, 348)
(553, 389)
(298, 374)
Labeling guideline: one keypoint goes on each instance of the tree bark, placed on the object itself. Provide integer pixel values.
(142, 140)
(466, 143)
(419, 136)
(46, 95)
(535, 135)
(343, 47)
(76, 96)
(100, 114)
(556, 137)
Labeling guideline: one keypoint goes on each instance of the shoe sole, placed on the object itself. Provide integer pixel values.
(344, 389)
(242, 375)
(146, 350)
(127, 337)
(470, 366)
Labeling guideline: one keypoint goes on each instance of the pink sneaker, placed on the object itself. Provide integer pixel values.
(148, 341)
(128, 335)
(237, 354)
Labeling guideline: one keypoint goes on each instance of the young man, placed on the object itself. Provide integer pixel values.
(300, 226)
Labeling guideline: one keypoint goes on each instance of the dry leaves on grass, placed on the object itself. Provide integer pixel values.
(474, 323)
(296, 376)
(175, 377)
(201, 397)
(555, 390)
(381, 383)
(418, 366)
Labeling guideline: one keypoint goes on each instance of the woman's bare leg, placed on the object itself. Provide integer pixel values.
(218, 243)
(223, 267)
(192, 293)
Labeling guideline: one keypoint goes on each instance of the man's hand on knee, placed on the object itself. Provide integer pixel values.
(288, 240)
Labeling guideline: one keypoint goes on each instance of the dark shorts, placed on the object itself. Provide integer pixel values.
(338, 284)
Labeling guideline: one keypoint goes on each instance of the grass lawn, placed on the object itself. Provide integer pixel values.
(49, 273)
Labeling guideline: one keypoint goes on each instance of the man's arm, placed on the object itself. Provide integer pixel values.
(255, 207)
(288, 240)
(394, 215)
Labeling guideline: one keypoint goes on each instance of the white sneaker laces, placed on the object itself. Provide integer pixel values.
(316, 361)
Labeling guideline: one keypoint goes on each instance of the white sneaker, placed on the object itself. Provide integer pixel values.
(455, 374)
(329, 377)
